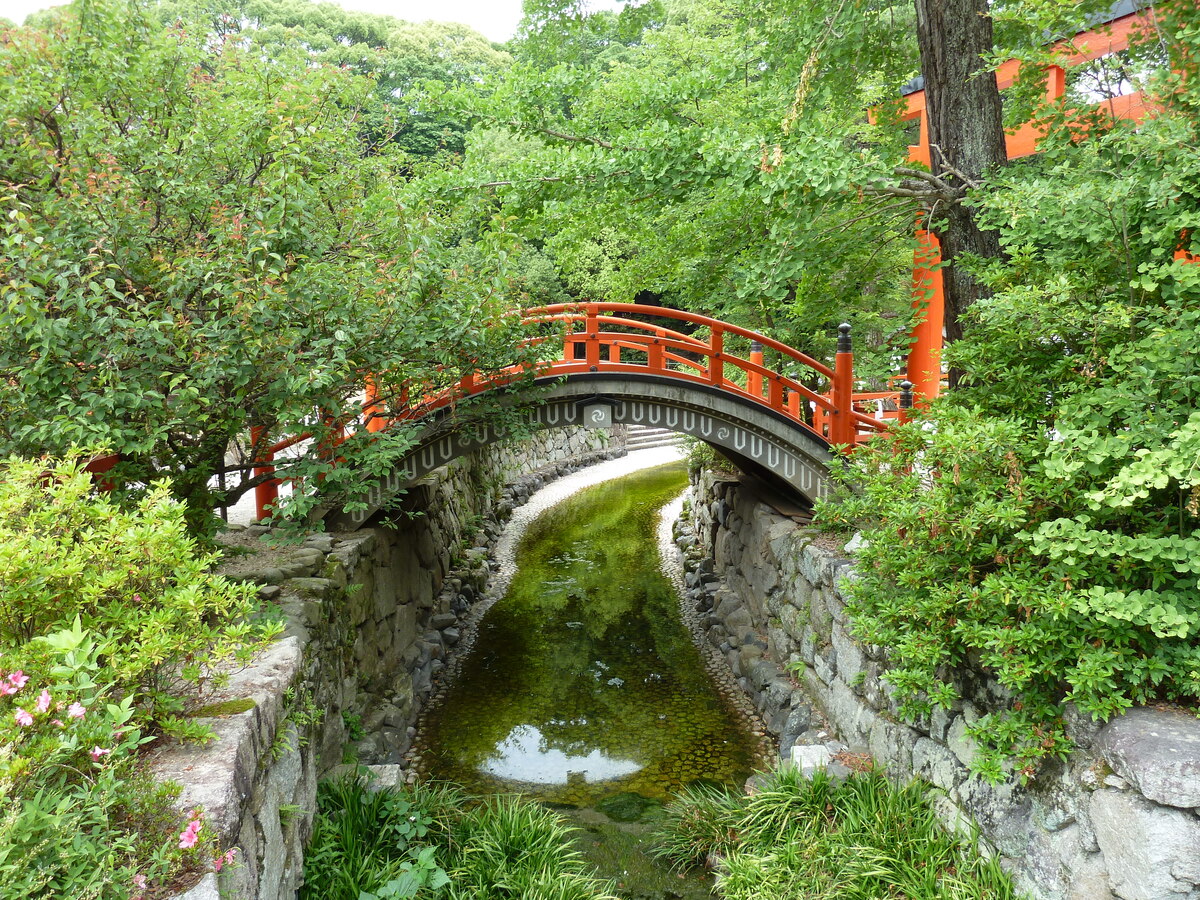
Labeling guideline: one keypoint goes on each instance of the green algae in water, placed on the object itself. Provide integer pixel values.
(584, 682)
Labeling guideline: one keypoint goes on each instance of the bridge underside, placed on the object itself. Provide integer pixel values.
(755, 438)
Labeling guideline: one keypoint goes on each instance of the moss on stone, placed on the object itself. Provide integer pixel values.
(224, 708)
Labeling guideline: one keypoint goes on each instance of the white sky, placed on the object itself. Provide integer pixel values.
(497, 19)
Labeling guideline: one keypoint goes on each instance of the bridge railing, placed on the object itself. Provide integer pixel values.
(648, 348)
(590, 344)
(654, 349)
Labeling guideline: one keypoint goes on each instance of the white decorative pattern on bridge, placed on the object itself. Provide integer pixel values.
(746, 431)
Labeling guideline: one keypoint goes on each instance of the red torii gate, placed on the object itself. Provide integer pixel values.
(925, 353)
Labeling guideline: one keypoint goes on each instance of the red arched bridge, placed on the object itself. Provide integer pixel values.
(620, 364)
(623, 364)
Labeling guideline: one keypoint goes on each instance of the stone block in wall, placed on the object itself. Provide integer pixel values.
(818, 614)
(935, 763)
(282, 837)
(1152, 852)
(1003, 812)
(1158, 752)
(792, 621)
(961, 744)
(851, 662)
(891, 744)
(1055, 866)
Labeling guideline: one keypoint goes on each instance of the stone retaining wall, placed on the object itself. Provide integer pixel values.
(1119, 818)
(370, 615)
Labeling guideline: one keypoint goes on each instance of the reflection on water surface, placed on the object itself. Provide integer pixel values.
(526, 757)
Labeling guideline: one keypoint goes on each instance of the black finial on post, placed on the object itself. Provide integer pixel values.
(843, 344)
(906, 395)
(756, 346)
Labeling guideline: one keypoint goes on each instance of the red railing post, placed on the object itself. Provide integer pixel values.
(654, 353)
(906, 401)
(614, 352)
(841, 427)
(775, 393)
(716, 359)
(793, 404)
(753, 379)
(267, 493)
(373, 409)
(593, 337)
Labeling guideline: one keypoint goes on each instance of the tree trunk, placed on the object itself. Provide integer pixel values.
(966, 133)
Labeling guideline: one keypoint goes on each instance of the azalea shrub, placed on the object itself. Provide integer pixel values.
(164, 624)
(112, 628)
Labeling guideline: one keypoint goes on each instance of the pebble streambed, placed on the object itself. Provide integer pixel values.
(582, 686)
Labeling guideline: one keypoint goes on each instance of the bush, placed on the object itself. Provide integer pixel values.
(438, 842)
(1056, 549)
(110, 626)
(163, 623)
(816, 839)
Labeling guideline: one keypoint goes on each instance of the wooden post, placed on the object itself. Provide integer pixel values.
(654, 353)
(372, 409)
(925, 352)
(716, 360)
(593, 338)
(841, 428)
(775, 393)
(753, 379)
(793, 404)
(267, 493)
(906, 401)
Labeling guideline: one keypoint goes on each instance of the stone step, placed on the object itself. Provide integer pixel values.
(643, 437)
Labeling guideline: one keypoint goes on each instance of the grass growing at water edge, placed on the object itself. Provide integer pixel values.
(434, 841)
(817, 839)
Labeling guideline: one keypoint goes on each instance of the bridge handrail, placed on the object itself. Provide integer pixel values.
(635, 341)
(834, 417)
(583, 310)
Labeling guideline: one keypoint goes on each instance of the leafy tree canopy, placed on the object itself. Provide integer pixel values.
(194, 243)
(395, 54)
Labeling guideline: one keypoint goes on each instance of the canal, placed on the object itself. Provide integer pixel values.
(584, 688)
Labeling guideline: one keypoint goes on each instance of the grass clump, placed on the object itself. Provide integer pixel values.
(817, 839)
(437, 842)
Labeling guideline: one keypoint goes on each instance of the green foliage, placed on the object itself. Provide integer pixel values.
(194, 242)
(815, 838)
(397, 56)
(435, 842)
(701, 455)
(709, 156)
(110, 627)
(507, 846)
(130, 577)
(1043, 521)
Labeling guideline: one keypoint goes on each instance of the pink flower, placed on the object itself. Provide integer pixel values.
(58, 722)
(6, 689)
(17, 679)
(98, 752)
(189, 836)
(23, 718)
(43, 701)
(139, 887)
(76, 710)
(225, 859)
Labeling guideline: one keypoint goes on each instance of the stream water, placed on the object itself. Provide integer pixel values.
(584, 688)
